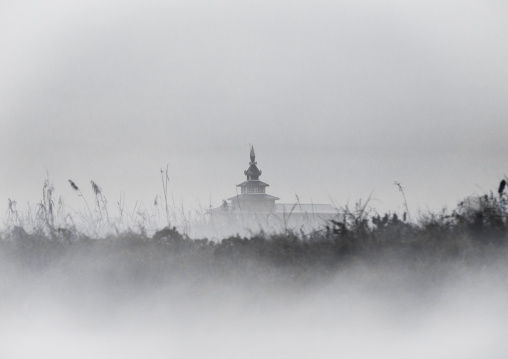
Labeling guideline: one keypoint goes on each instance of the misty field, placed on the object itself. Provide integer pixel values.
(366, 286)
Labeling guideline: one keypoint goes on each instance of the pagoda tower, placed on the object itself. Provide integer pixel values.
(252, 196)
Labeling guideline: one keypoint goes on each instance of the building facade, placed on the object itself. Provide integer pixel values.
(253, 207)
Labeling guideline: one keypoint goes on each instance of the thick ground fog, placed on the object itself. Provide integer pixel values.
(269, 296)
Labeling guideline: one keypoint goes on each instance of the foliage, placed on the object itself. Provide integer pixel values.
(477, 227)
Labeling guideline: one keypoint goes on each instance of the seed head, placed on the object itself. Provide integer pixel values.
(502, 186)
(73, 185)
(96, 188)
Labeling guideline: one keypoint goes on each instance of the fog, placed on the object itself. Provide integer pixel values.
(124, 298)
(340, 98)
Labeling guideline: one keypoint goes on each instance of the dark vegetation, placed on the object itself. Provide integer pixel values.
(476, 232)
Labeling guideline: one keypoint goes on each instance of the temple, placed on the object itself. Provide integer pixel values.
(252, 196)
(252, 204)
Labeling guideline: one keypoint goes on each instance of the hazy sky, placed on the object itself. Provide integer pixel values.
(339, 98)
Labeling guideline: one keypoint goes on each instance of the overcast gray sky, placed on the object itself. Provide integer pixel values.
(339, 98)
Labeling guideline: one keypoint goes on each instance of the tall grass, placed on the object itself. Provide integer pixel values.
(476, 225)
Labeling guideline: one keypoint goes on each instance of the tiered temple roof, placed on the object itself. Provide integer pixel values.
(253, 191)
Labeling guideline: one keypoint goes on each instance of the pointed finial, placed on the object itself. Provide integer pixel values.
(252, 154)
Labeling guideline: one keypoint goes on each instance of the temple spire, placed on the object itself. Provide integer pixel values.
(252, 154)
(253, 172)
